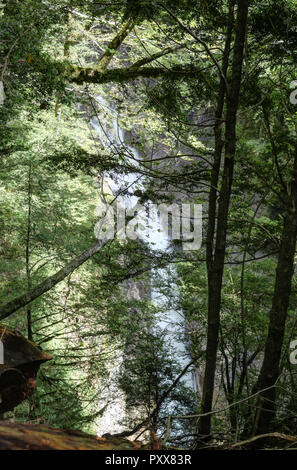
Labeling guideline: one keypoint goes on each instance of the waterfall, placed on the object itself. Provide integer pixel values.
(170, 322)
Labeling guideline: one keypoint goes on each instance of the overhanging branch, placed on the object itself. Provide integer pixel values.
(91, 75)
(10, 307)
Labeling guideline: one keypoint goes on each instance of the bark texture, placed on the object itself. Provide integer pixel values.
(217, 266)
(282, 290)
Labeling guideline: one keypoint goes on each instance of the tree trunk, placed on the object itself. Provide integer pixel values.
(217, 267)
(28, 250)
(282, 289)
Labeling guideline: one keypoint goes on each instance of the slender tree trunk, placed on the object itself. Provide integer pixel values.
(219, 144)
(282, 289)
(217, 266)
(31, 401)
(28, 242)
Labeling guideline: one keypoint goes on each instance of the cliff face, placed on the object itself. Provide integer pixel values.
(18, 368)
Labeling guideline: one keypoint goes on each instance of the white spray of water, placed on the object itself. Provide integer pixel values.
(171, 322)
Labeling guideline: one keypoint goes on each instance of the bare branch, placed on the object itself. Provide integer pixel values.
(10, 307)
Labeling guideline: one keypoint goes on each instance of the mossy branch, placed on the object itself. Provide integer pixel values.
(81, 75)
(115, 44)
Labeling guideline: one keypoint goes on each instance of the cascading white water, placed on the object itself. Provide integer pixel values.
(171, 322)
